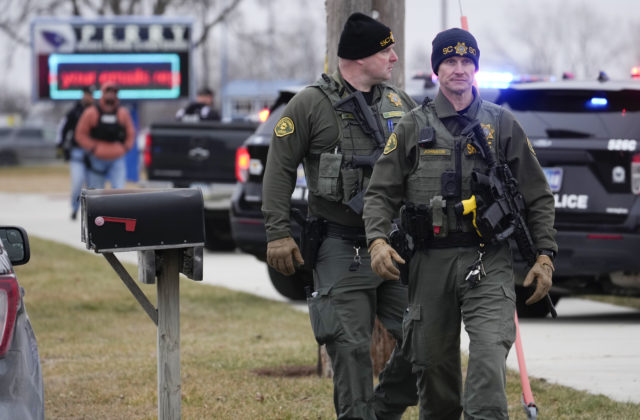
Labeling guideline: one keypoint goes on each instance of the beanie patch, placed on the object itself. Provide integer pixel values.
(454, 42)
(363, 36)
(460, 49)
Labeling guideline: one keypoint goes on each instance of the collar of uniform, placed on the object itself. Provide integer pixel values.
(377, 89)
(444, 108)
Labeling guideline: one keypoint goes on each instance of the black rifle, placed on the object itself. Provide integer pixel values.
(402, 242)
(500, 204)
(356, 105)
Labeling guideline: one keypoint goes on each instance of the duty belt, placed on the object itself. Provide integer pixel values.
(452, 240)
(347, 233)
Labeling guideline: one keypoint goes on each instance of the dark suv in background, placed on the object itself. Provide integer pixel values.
(585, 135)
(247, 225)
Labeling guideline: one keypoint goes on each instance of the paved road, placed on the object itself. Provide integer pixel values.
(591, 346)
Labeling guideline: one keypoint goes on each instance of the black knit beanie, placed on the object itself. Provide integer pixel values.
(453, 42)
(363, 36)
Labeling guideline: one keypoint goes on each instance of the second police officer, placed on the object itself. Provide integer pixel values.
(348, 295)
(427, 164)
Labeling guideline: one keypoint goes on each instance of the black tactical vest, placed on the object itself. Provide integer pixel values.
(454, 155)
(108, 128)
(329, 174)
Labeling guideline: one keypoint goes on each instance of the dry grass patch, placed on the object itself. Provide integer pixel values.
(238, 351)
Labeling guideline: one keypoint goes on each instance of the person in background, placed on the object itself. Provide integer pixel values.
(71, 151)
(348, 296)
(106, 133)
(200, 110)
(455, 274)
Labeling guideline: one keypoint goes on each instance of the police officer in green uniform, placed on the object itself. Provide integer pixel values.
(427, 164)
(315, 130)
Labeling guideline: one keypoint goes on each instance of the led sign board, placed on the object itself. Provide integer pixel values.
(147, 58)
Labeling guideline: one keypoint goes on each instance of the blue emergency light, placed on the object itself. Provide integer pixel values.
(597, 102)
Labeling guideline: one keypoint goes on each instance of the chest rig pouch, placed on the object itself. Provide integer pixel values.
(344, 172)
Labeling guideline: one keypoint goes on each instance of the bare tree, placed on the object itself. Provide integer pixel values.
(567, 37)
(282, 44)
(14, 22)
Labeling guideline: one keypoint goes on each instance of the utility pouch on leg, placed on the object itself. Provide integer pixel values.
(324, 321)
(414, 341)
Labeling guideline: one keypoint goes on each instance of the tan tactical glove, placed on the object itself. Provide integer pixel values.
(382, 258)
(281, 254)
(541, 273)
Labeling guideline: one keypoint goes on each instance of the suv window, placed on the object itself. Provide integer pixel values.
(572, 114)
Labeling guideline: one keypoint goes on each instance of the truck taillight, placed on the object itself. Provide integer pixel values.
(147, 150)
(635, 174)
(9, 300)
(242, 164)
(263, 115)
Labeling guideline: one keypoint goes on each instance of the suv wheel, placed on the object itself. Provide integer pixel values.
(291, 287)
(538, 309)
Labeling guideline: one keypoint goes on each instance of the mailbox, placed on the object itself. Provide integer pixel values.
(138, 220)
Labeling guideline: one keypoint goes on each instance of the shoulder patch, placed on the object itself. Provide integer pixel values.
(284, 127)
(391, 145)
(531, 147)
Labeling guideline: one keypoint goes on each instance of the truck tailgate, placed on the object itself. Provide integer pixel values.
(195, 152)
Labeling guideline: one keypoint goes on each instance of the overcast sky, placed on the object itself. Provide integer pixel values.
(489, 20)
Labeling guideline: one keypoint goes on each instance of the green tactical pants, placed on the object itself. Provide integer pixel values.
(439, 298)
(342, 316)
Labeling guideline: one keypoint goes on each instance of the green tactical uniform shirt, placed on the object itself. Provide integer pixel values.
(309, 126)
(388, 186)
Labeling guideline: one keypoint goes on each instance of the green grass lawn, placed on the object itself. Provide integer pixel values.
(98, 351)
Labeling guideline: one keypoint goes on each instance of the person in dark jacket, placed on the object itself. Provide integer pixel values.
(71, 151)
(200, 110)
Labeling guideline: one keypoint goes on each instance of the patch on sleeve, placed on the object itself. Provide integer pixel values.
(391, 145)
(284, 127)
(531, 147)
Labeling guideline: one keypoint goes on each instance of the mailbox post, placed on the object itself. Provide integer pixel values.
(166, 228)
